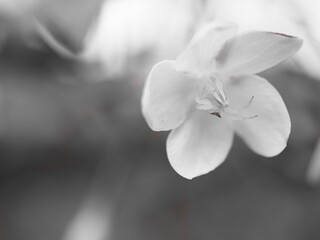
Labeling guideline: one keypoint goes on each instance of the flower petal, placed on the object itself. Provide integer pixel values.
(204, 46)
(167, 97)
(266, 134)
(200, 145)
(254, 52)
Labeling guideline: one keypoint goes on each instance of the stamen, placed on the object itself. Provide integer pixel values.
(249, 103)
(246, 118)
(218, 88)
(236, 116)
(212, 99)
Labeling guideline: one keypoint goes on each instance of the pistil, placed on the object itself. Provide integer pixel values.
(212, 99)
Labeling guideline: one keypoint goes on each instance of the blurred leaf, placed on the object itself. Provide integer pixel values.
(68, 20)
(313, 170)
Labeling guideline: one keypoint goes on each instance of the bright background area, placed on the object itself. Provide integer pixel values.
(78, 161)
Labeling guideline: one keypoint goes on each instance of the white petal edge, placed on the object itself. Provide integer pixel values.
(254, 52)
(167, 97)
(267, 134)
(200, 145)
(204, 46)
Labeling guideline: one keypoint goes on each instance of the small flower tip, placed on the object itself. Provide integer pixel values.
(284, 35)
(297, 39)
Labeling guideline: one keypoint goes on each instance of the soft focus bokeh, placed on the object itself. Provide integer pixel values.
(78, 161)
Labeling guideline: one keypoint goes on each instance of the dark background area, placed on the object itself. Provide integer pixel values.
(72, 148)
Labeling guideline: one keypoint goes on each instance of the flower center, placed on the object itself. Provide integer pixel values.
(212, 99)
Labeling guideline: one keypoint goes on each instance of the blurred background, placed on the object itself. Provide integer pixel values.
(77, 160)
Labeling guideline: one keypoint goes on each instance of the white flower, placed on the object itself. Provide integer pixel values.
(210, 91)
